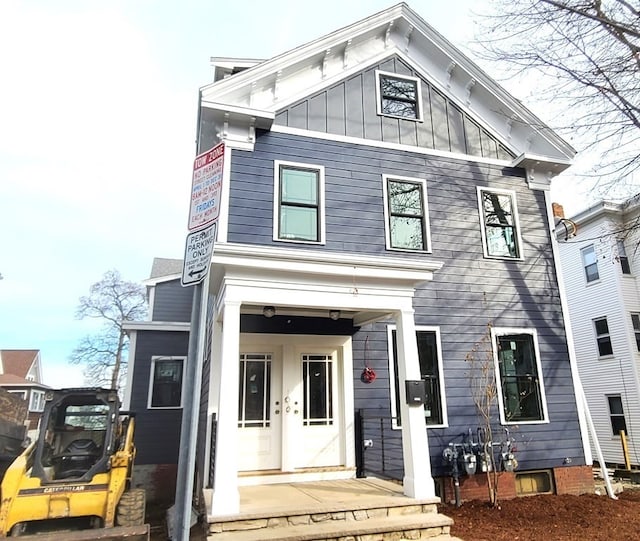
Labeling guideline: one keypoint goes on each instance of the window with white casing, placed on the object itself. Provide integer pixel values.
(298, 210)
(36, 402)
(590, 263)
(399, 96)
(406, 213)
(622, 258)
(165, 387)
(521, 394)
(616, 415)
(603, 338)
(635, 321)
(499, 223)
(430, 359)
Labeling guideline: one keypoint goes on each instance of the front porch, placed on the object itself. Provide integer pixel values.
(357, 509)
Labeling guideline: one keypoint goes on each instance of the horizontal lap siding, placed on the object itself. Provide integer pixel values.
(155, 425)
(172, 302)
(466, 294)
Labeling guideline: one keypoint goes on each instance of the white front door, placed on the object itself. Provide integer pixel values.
(289, 408)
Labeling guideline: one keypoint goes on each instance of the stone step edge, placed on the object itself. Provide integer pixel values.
(340, 529)
(287, 510)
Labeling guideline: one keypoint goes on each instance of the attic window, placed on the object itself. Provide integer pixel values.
(398, 96)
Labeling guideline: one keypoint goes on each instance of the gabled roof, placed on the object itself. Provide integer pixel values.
(257, 93)
(11, 380)
(164, 270)
(18, 362)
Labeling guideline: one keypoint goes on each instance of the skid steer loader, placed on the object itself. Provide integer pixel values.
(76, 477)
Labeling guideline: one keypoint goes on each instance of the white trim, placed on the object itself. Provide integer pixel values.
(321, 226)
(276, 128)
(182, 326)
(152, 371)
(22, 393)
(392, 75)
(36, 401)
(584, 264)
(392, 376)
(161, 279)
(425, 210)
(131, 361)
(607, 335)
(516, 219)
(222, 229)
(504, 331)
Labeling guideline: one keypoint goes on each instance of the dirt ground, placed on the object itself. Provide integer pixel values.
(553, 518)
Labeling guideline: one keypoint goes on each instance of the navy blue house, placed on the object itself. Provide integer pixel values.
(385, 239)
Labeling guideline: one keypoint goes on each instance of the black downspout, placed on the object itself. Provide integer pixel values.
(359, 434)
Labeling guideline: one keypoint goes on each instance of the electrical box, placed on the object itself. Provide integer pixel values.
(416, 392)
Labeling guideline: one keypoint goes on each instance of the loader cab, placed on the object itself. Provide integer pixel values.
(77, 435)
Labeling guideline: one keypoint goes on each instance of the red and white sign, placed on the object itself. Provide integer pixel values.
(206, 188)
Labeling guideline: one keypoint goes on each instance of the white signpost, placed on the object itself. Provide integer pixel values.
(206, 190)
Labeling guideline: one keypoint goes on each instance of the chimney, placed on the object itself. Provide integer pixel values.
(558, 211)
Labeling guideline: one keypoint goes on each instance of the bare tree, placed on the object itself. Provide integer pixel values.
(114, 301)
(585, 56)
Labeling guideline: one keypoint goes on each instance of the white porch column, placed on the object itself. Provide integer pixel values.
(226, 498)
(417, 481)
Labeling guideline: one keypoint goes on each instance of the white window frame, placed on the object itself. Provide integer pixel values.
(516, 219)
(623, 259)
(504, 331)
(584, 264)
(392, 377)
(612, 415)
(603, 335)
(417, 80)
(151, 380)
(36, 401)
(635, 328)
(21, 394)
(277, 165)
(387, 213)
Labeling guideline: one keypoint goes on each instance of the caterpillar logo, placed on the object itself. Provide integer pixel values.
(61, 488)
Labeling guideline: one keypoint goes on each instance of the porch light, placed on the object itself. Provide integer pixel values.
(334, 314)
(269, 311)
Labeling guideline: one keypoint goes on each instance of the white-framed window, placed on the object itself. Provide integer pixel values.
(165, 384)
(499, 223)
(298, 210)
(430, 358)
(21, 394)
(521, 395)
(36, 401)
(603, 338)
(590, 263)
(622, 257)
(406, 213)
(635, 322)
(398, 96)
(616, 414)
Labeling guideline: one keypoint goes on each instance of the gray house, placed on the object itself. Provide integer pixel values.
(385, 236)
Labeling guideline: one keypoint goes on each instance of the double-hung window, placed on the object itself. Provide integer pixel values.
(635, 321)
(36, 403)
(165, 390)
(521, 391)
(622, 257)
(399, 96)
(590, 263)
(299, 206)
(499, 223)
(603, 338)
(616, 414)
(406, 213)
(430, 358)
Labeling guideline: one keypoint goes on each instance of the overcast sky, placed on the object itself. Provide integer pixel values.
(97, 128)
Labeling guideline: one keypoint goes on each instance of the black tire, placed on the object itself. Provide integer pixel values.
(131, 507)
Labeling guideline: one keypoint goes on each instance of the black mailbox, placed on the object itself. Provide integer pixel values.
(416, 392)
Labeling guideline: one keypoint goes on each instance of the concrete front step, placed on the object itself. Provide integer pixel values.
(432, 526)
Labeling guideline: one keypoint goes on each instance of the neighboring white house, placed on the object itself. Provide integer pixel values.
(600, 264)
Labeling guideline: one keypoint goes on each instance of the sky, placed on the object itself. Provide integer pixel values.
(98, 112)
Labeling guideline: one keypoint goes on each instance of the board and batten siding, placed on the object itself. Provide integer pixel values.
(350, 108)
(157, 436)
(172, 302)
(469, 292)
(613, 296)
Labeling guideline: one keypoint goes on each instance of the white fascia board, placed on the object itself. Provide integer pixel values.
(266, 117)
(160, 279)
(157, 326)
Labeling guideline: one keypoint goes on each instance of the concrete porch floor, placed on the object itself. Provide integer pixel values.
(309, 496)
